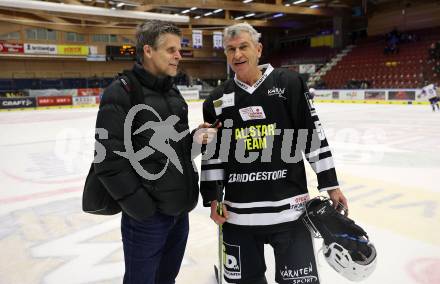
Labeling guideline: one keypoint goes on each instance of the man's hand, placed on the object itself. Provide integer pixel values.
(206, 132)
(339, 200)
(218, 219)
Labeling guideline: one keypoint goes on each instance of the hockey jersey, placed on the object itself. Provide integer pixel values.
(430, 91)
(258, 154)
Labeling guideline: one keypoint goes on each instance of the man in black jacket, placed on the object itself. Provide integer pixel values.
(148, 166)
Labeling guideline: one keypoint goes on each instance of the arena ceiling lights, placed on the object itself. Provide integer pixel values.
(92, 11)
(292, 2)
(204, 14)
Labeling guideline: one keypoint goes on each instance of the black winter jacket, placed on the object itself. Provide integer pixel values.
(173, 193)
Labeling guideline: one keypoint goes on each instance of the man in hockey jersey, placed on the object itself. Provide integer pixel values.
(430, 91)
(266, 116)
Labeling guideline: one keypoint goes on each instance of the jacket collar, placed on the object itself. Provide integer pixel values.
(150, 81)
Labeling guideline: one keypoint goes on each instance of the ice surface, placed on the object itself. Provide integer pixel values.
(388, 162)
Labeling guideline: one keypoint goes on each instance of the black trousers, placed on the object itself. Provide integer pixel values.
(244, 261)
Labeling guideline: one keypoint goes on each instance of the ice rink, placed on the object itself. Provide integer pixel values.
(388, 162)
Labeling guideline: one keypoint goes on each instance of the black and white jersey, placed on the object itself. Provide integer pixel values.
(267, 128)
(430, 91)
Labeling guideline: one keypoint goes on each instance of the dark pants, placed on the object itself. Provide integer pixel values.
(154, 248)
(434, 101)
(244, 261)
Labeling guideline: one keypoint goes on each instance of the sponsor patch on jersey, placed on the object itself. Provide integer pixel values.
(252, 112)
(227, 100)
(301, 274)
(258, 176)
(279, 92)
(232, 261)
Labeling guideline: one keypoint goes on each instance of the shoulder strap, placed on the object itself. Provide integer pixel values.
(228, 86)
(132, 86)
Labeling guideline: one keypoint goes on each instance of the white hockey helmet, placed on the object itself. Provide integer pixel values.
(346, 247)
(340, 259)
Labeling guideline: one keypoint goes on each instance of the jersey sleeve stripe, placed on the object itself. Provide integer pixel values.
(212, 175)
(328, 188)
(211, 162)
(317, 152)
(323, 165)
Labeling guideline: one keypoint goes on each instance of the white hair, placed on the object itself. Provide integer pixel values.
(234, 30)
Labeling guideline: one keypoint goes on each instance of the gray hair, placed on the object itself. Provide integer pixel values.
(234, 30)
(149, 32)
